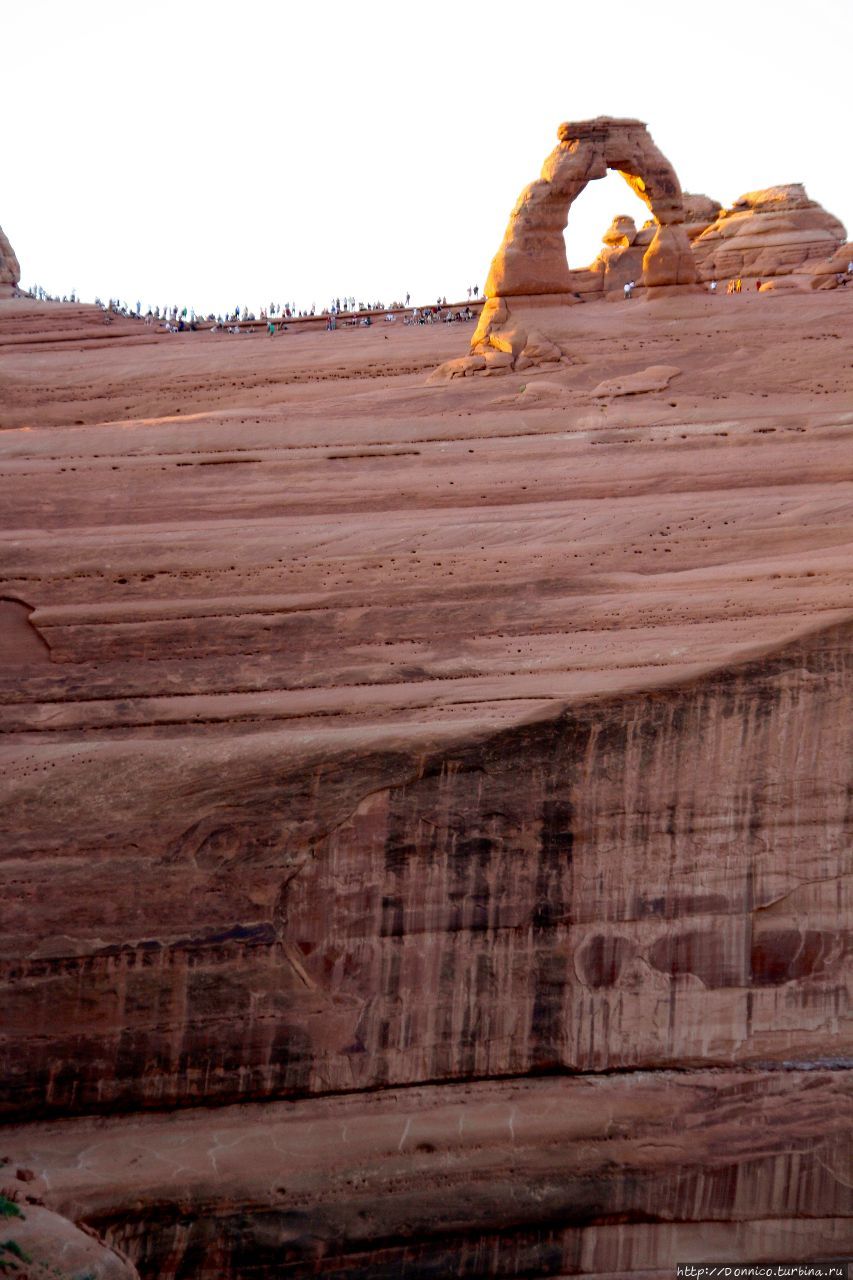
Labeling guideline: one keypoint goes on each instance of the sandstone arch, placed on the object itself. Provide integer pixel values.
(529, 282)
(532, 257)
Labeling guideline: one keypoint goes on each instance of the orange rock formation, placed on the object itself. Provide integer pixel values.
(772, 233)
(768, 233)
(532, 257)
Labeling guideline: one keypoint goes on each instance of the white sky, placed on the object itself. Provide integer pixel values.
(212, 154)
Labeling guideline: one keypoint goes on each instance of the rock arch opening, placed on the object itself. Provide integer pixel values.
(593, 218)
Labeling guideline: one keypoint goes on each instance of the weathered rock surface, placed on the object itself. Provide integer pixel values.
(462, 367)
(621, 233)
(602, 1176)
(700, 212)
(417, 918)
(624, 249)
(656, 378)
(409, 745)
(10, 271)
(39, 1244)
(768, 233)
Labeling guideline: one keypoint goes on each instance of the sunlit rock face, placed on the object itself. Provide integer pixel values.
(768, 233)
(621, 233)
(600, 1176)
(10, 271)
(700, 212)
(530, 265)
(778, 234)
(532, 257)
(623, 251)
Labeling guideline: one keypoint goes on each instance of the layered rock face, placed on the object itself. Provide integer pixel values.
(830, 272)
(426, 830)
(700, 212)
(768, 233)
(606, 1176)
(639, 902)
(10, 271)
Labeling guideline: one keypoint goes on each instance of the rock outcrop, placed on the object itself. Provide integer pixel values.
(10, 271)
(656, 378)
(624, 249)
(700, 212)
(774, 232)
(621, 233)
(830, 272)
(37, 1243)
(770, 234)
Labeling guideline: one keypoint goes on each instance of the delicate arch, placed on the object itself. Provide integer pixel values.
(532, 257)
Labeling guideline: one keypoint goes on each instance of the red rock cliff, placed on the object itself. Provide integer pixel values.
(426, 833)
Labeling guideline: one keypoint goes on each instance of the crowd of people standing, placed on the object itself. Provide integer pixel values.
(345, 309)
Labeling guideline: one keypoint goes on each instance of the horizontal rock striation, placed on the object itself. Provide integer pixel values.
(598, 1176)
(619, 1175)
